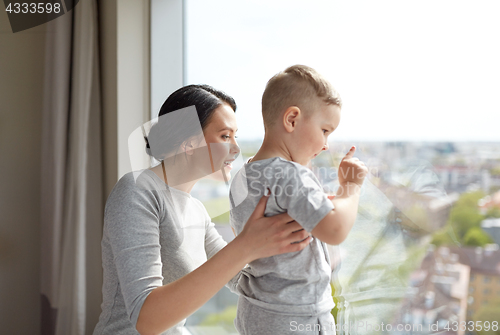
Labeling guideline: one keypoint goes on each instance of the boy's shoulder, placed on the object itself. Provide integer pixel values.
(271, 171)
(274, 163)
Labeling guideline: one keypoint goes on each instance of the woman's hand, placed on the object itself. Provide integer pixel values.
(268, 236)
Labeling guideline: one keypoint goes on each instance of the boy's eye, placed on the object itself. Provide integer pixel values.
(325, 131)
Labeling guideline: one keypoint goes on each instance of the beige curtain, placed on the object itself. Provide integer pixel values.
(72, 187)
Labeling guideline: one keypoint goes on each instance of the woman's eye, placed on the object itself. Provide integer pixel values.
(226, 137)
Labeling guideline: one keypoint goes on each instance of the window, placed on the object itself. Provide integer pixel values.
(486, 291)
(487, 279)
(237, 46)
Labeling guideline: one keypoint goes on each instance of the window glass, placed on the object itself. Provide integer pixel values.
(405, 71)
(419, 84)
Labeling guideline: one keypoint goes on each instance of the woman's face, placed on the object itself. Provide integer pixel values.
(221, 142)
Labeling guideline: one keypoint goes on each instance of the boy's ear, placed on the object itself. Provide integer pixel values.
(290, 118)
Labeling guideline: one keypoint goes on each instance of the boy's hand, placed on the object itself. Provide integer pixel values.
(351, 169)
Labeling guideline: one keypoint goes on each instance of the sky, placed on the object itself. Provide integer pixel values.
(406, 70)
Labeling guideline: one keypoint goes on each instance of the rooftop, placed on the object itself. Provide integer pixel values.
(481, 260)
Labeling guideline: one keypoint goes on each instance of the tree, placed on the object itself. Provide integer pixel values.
(443, 237)
(487, 316)
(470, 199)
(462, 218)
(493, 212)
(223, 319)
(465, 213)
(495, 171)
(476, 237)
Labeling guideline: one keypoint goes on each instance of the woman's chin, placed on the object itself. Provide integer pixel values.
(220, 175)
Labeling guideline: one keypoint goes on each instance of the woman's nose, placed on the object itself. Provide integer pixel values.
(234, 149)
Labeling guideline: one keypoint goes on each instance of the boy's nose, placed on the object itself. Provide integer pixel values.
(325, 147)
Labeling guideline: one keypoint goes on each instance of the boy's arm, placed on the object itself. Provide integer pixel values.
(335, 226)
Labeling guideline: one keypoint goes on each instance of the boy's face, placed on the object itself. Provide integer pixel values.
(313, 131)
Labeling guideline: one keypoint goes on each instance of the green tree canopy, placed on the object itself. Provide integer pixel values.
(443, 237)
(462, 218)
(465, 213)
(223, 319)
(470, 199)
(493, 212)
(488, 315)
(477, 237)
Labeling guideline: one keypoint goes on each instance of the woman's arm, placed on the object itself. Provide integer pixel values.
(262, 236)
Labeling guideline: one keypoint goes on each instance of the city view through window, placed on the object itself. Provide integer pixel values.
(429, 217)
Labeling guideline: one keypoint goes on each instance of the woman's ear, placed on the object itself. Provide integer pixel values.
(188, 146)
(290, 118)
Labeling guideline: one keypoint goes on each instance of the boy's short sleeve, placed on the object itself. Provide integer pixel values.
(301, 195)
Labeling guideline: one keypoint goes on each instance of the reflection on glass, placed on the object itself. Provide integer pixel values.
(417, 260)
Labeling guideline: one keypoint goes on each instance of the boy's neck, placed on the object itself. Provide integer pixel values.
(272, 148)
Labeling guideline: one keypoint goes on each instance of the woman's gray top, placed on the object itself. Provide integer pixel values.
(153, 235)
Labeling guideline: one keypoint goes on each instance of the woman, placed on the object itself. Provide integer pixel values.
(157, 238)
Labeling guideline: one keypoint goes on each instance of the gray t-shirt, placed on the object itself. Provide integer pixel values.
(297, 282)
(153, 235)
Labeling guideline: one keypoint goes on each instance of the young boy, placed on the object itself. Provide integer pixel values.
(290, 293)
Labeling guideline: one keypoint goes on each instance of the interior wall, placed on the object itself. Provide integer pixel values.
(21, 92)
(133, 74)
(21, 97)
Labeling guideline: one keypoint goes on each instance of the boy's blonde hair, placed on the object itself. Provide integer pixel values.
(300, 86)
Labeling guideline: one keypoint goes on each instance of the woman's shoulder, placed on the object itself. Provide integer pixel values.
(135, 184)
(138, 180)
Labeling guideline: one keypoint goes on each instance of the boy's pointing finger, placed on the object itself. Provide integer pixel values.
(351, 152)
